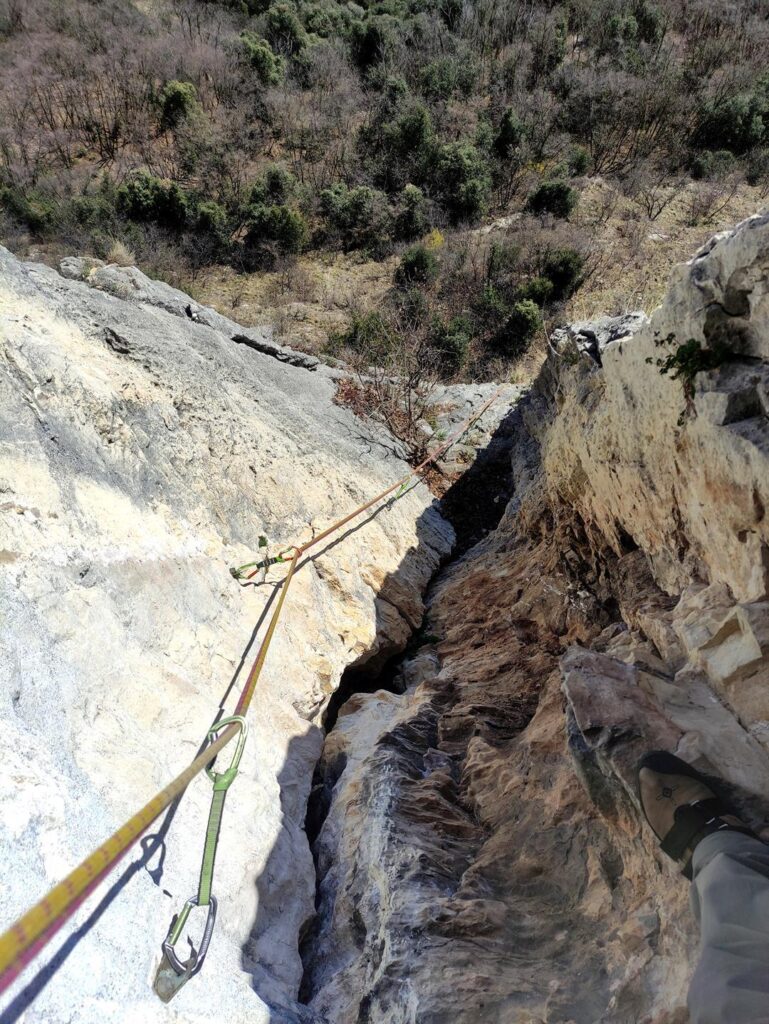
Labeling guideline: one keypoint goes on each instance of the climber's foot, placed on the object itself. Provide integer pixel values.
(681, 806)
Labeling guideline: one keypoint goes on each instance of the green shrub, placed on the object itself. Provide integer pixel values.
(369, 333)
(490, 306)
(411, 221)
(417, 266)
(211, 219)
(276, 187)
(282, 226)
(737, 123)
(261, 59)
(757, 170)
(462, 178)
(371, 40)
(359, 216)
(538, 290)
(578, 161)
(178, 101)
(563, 268)
(284, 31)
(510, 134)
(147, 198)
(554, 197)
(524, 322)
(452, 341)
(709, 166)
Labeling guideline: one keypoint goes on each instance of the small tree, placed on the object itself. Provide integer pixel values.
(261, 59)
(554, 197)
(147, 198)
(510, 134)
(284, 31)
(524, 322)
(562, 268)
(178, 101)
(282, 226)
(452, 340)
(417, 266)
(463, 180)
(411, 221)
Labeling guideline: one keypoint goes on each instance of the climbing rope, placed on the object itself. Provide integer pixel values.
(21, 943)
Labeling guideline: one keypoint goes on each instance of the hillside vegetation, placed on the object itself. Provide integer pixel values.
(250, 134)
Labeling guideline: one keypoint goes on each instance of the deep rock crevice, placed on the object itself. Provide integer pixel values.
(473, 505)
(482, 857)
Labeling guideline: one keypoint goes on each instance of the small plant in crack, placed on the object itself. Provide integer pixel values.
(688, 359)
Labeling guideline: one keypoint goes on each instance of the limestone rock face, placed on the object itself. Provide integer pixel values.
(144, 448)
(482, 856)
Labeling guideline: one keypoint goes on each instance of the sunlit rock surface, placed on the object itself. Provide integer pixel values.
(142, 453)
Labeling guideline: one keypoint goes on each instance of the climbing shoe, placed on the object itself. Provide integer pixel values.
(682, 806)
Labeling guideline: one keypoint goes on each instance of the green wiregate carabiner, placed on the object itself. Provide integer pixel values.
(173, 972)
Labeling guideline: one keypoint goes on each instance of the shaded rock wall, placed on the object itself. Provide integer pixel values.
(483, 857)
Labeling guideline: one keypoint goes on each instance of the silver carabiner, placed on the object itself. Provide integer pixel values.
(195, 961)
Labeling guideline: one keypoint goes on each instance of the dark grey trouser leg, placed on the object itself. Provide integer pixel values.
(730, 899)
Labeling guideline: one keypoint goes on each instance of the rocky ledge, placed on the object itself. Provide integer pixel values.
(480, 852)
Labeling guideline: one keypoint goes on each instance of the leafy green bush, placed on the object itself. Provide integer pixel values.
(211, 219)
(554, 197)
(524, 322)
(261, 59)
(462, 178)
(283, 29)
(538, 290)
(178, 101)
(757, 170)
(510, 134)
(411, 221)
(452, 341)
(371, 40)
(359, 216)
(147, 198)
(563, 268)
(369, 333)
(280, 225)
(709, 166)
(417, 266)
(737, 123)
(578, 161)
(277, 186)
